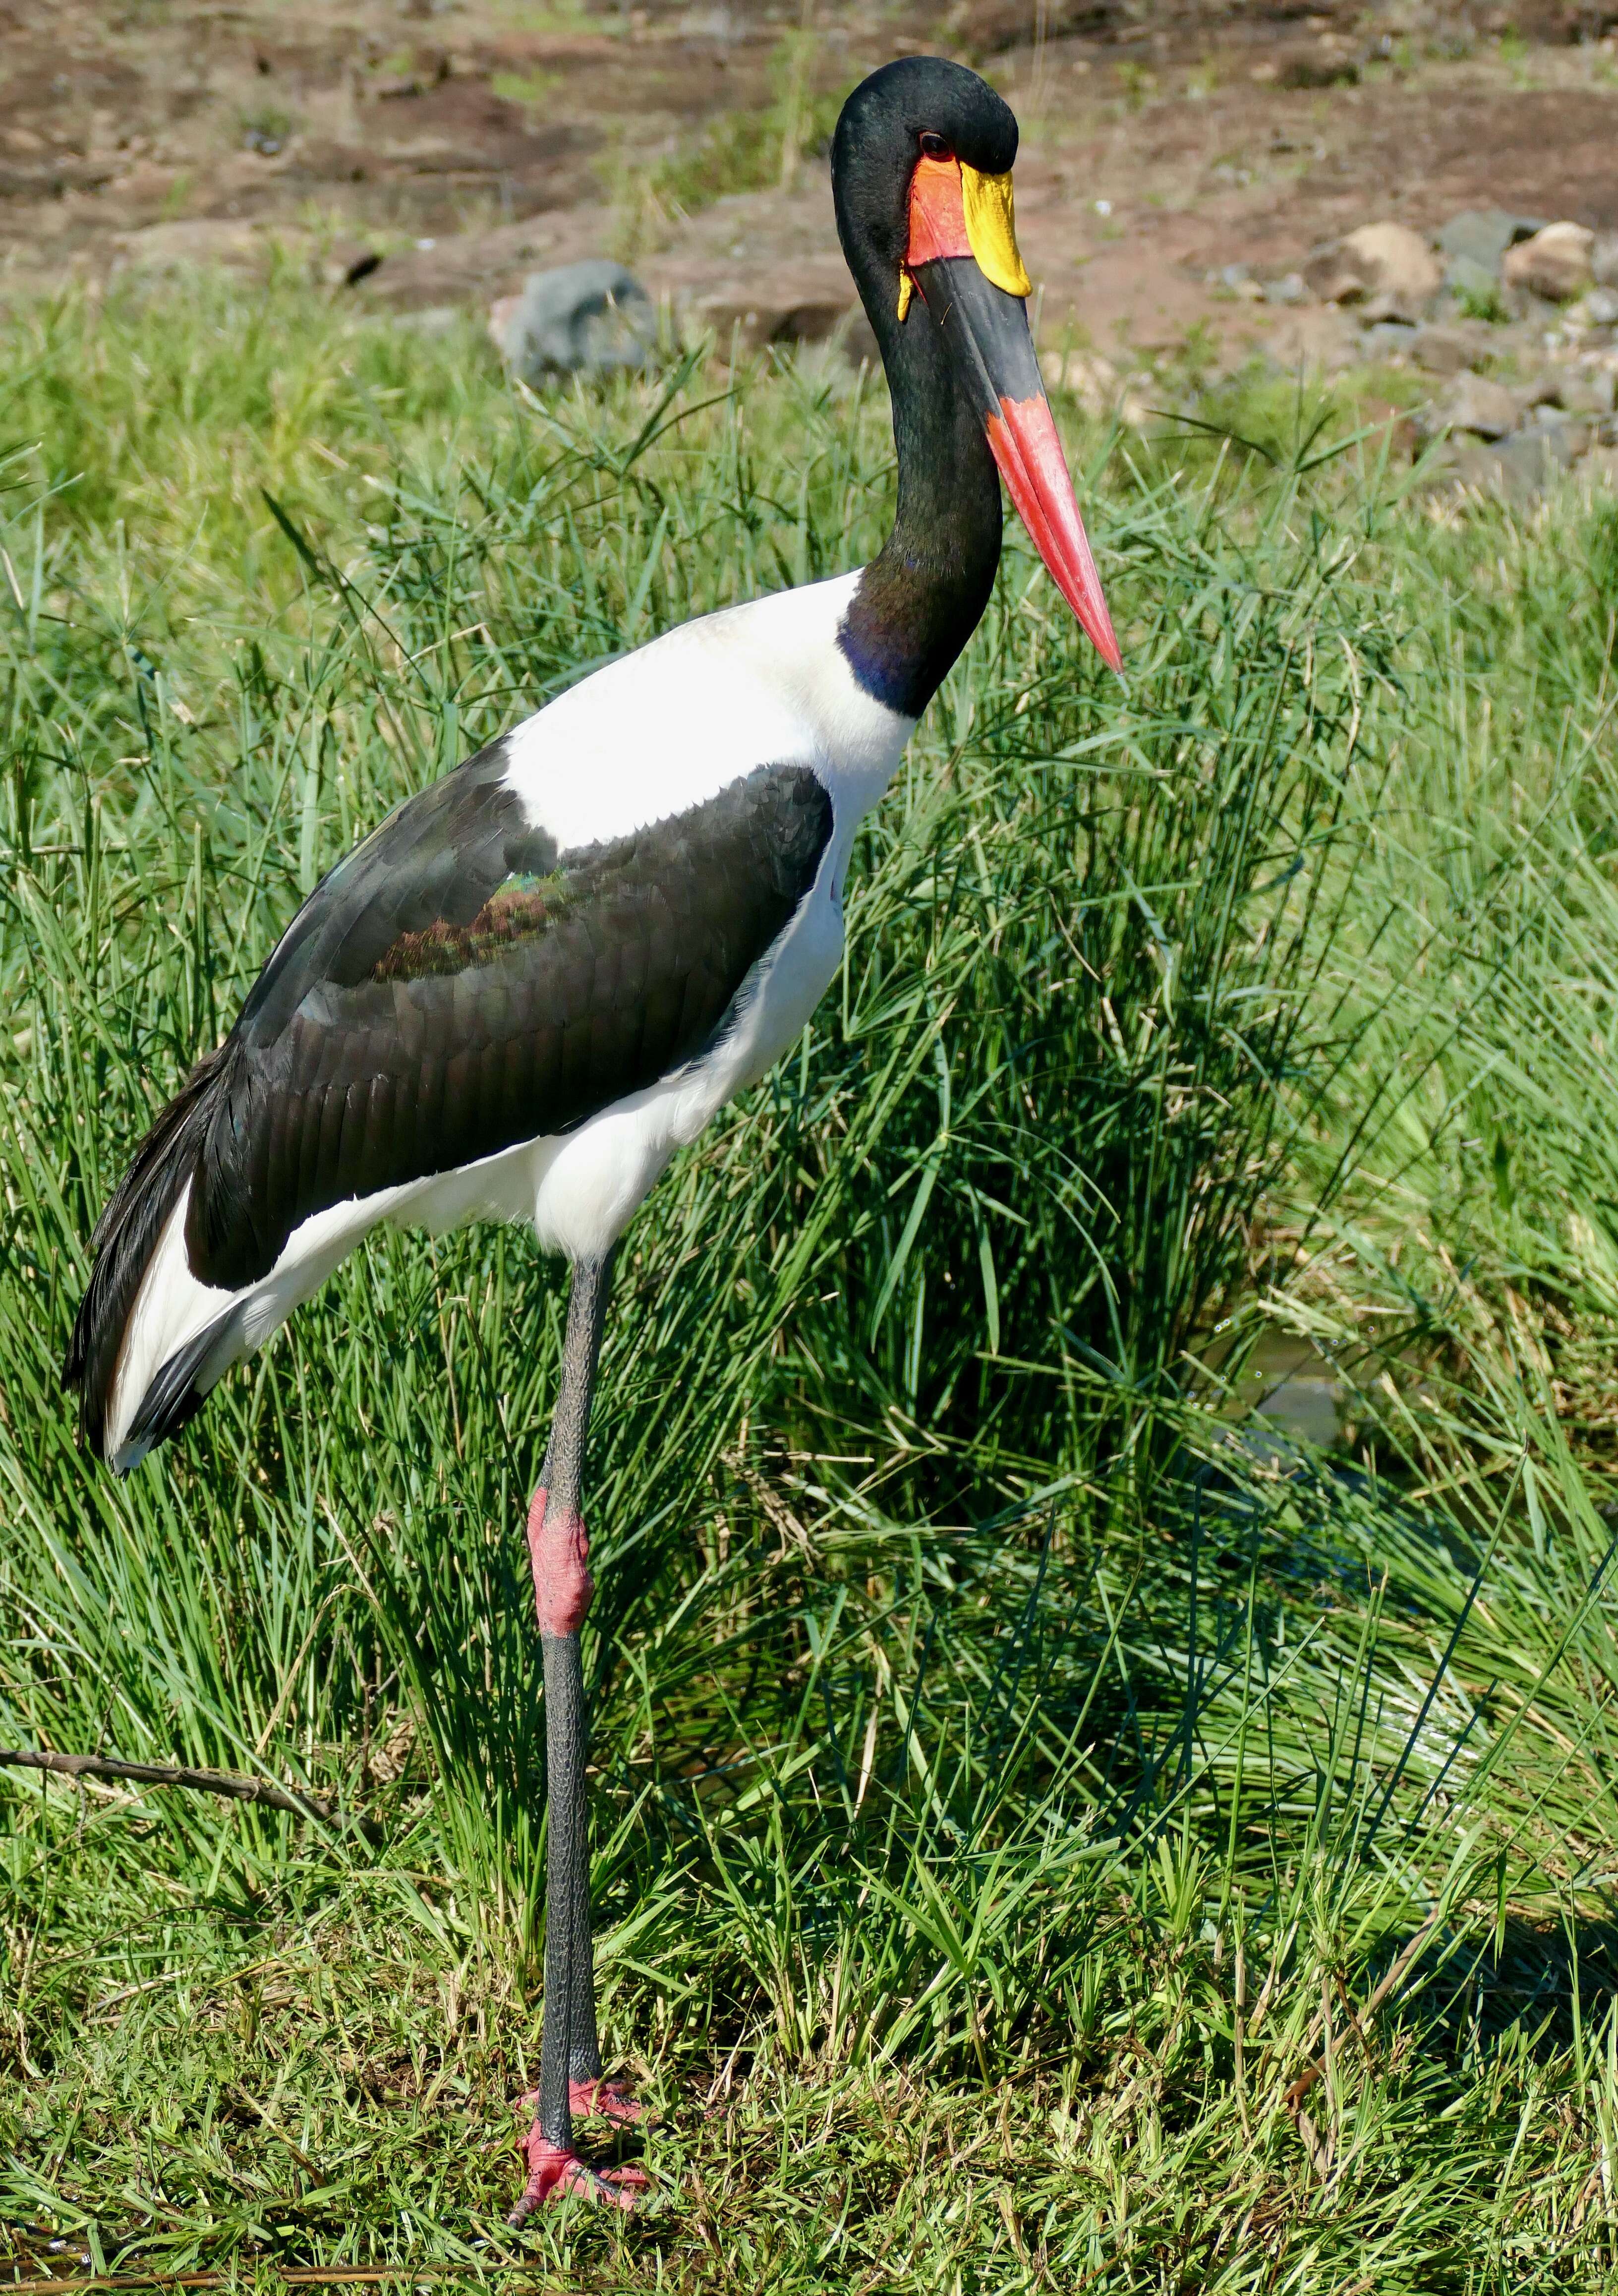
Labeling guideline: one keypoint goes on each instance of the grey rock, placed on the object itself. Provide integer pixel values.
(1604, 259)
(1105, 395)
(1385, 268)
(1289, 289)
(1519, 469)
(1554, 264)
(1590, 391)
(1487, 409)
(1481, 235)
(1238, 278)
(593, 318)
(1445, 350)
(1483, 469)
(1544, 390)
(1547, 449)
(1390, 338)
(1600, 307)
(1317, 68)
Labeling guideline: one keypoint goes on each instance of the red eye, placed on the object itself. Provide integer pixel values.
(933, 147)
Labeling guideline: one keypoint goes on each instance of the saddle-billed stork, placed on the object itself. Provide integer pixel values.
(545, 972)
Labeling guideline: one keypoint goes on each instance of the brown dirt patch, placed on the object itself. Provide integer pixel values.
(1163, 143)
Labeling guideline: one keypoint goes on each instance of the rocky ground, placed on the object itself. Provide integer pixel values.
(1191, 173)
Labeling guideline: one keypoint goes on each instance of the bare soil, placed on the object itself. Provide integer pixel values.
(424, 154)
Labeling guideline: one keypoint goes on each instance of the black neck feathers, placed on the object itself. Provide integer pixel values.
(924, 593)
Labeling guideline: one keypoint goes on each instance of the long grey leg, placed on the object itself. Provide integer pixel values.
(562, 1589)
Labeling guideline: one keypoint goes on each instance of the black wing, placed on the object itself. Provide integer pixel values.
(459, 984)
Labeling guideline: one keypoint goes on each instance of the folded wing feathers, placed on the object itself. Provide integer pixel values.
(454, 987)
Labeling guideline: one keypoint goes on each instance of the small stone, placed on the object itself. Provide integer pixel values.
(1519, 469)
(1325, 66)
(1604, 259)
(1390, 339)
(1550, 447)
(1592, 391)
(1289, 289)
(1475, 404)
(1481, 468)
(1600, 308)
(1083, 375)
(1545, 389)
(593, 318)
(1481, 235)
(1442, 350)
(1386, 267)
(1555, 264)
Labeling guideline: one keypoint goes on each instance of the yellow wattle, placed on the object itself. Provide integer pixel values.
(992, 230)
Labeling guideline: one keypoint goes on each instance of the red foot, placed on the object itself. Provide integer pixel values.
(607, 2100)
(558, 1551)
(553, 2174)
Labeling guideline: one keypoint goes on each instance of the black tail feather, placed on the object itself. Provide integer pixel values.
(126, 1236)
(181, 1387)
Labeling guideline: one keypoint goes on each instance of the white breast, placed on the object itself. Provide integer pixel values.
(761, 685)
(647, 738)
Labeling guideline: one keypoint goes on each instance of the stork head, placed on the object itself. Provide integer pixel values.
(921, 174)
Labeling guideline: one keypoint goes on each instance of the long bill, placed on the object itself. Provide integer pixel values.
(987, 331)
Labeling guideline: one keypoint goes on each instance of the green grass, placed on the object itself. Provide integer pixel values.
(1016, 1766)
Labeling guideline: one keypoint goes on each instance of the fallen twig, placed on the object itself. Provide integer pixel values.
(154, 1773)
(313, 2276)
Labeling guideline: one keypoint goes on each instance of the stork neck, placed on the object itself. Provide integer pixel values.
(923, 595)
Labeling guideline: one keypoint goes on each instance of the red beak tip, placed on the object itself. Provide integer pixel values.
(1023, 440)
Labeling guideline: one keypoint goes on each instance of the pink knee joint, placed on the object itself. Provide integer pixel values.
(559, 1551)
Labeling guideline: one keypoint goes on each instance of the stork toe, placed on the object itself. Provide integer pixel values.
(555, 2173)
(605, 2100)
